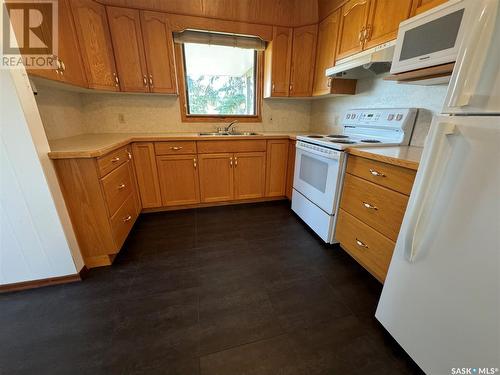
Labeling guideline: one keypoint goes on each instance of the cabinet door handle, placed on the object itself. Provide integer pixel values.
(121, 186)
(235, 161)
(231, 162)
(63, 66)
(129, 155)
(361, 244)
(290, 88)
(195, 164)
(370, 206)
(176, 148)
(368, 33)
(115, 160)
(272, 87)
(145, 80)
(361, 36)
(128, 218)
(376, 173)
(151, 80)
(117, 81)
(329, 84)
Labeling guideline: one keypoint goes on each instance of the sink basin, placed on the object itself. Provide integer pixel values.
(228, 133)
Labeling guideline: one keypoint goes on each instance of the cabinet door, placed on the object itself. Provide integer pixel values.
(303, 57)
(125, 27)
(179, 182)
(420, 6)
(69, 51)
(383, 22)
(92, 30)
(276, 162)
(159, 49)
(290, 169)
(216, 177)
(147, 174)
(353, 18)
(328, 32)
(249, 175)
(278, 62)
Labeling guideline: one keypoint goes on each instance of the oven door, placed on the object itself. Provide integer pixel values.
(431, 38)
(318, 177)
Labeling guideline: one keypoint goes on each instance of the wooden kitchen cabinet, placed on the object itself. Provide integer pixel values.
(216, 177)
(290, 169)
(278, 60)
(126, 35)
(384, 19)
(420, 6)
(159, 50)
(303, 58)
(178, 176)
(92, 29)
(249, 175)
(353, 19)
(276, 167)
(147, 174)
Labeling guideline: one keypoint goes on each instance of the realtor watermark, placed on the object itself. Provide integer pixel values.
(29, 34)
(474, 371)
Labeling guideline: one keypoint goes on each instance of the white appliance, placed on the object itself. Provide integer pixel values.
(320, 162)
(441, 297)
(431, 38)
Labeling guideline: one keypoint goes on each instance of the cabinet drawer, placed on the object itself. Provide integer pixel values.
(113, 160)
(379, 207)
(123, 220)
(370, 248)
(206, 147)
(173, 148)
(391, 176)
(117, 186)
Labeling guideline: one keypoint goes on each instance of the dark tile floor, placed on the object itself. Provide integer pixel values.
(237, 290)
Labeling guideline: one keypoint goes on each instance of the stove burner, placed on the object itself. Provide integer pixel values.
(314, 136)
(337, 136)
(344, 141)
(370, 141)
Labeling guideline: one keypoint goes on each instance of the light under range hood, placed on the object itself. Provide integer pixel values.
(365, 64)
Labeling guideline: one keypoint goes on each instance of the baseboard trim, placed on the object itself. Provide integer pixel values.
(32, 284)
(211, 204)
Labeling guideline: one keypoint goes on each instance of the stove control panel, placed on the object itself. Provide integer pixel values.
(394, 118)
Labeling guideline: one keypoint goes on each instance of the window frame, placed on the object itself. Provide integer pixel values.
(183, 100)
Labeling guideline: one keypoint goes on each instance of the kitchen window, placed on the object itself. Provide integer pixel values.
(221, 76)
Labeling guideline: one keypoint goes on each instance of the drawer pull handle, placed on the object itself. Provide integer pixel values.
(376, 173)
(370, 206)
(128, 218)
(361, 244)
(115, 160)
(121, 186)
(176, 148)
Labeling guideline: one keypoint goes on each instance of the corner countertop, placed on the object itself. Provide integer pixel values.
(402, 156)
(95, 145)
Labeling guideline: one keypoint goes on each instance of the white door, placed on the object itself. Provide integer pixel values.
(317, 177)
(441, 298)
(475, 83)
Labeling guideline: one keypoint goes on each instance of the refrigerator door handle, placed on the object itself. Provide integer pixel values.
(425, 185)
(474, 55)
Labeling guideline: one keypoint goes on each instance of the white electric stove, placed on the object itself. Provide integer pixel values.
(320, 161)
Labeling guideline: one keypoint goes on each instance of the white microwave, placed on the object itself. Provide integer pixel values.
(431, 38)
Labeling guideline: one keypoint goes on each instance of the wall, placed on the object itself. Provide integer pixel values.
(37, 240)
(377, 93)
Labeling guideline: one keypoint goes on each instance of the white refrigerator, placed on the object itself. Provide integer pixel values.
(441, 297)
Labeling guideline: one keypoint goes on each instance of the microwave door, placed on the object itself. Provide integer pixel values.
(475, 82)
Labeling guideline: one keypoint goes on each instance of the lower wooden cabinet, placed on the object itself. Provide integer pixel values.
(290, 169)
(147, 174)
(276, 167)
(216, 177)
(249, 175)
(178, 176)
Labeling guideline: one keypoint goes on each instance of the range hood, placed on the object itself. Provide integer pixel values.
(365, 64)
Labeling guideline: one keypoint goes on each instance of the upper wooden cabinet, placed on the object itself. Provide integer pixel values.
(353, 18)
(126, 34)
(95, 43)
(420, 6)
(328, 33)
(385, 17)
(303, 57)
(278, 60)
(159, 49)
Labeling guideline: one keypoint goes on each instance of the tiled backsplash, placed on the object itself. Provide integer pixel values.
(67, 113)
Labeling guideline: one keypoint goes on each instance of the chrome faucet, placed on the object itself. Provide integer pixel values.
(228, 128)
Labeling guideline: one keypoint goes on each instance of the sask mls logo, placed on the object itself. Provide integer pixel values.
(474, 371)
(29, 33)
